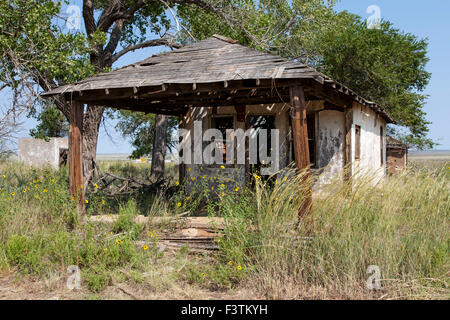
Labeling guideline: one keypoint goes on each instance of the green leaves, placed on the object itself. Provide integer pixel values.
(31, 43)
(52, 123)
(386, 65)
(139, 128)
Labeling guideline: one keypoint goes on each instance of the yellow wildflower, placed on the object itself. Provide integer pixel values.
(145, 247)
(103, 201)
(222, 167)
(239, 267)
(230, 263)
(179, 204)
(86, 201)
(118, 241)
(45, 190)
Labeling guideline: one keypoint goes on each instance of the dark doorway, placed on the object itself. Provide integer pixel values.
(259, 122)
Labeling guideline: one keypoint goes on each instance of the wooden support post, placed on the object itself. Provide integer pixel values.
(348, 114)
(301, 147)
(242, 124)
(181, 165)
(76, 152)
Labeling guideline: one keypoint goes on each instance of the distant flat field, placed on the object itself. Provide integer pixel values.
(124, 157)
(113, 157)
(439, 155)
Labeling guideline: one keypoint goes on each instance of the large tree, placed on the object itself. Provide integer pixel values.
(384, 65)
(37, 54)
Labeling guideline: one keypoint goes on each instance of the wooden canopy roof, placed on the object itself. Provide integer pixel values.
(213, 72)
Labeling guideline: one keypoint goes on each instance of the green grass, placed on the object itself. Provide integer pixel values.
(400, 225)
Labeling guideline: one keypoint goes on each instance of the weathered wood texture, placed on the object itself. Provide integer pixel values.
(159, 147)
(76, 152)
(215, 71)
(301, 147)
(348, 142)
(299, 128)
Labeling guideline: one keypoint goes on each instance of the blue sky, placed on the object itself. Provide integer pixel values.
(424, 19)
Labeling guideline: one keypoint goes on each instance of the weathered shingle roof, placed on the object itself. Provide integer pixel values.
(216, 59)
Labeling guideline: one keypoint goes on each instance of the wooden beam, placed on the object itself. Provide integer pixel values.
(299, 126)
(301, 148)
(76, 152)
(348, 114)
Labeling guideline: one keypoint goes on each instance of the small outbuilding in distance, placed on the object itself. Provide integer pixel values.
(397, 156)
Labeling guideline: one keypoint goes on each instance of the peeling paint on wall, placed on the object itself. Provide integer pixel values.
(331, 144)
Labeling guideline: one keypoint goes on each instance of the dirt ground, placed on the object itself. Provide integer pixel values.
(15, 286)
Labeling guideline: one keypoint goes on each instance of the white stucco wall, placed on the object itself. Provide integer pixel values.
(38, 152)
(370, 158)
(331, 144)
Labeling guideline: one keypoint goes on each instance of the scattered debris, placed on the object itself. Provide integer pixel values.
(199, 234)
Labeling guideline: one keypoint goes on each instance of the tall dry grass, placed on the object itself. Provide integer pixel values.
(400, 224)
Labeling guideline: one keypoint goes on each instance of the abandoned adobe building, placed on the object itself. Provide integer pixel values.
(39, 152)
(322, 124)
(396, 156)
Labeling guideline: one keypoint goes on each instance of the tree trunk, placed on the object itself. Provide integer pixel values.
(159, 146)
(91, 125)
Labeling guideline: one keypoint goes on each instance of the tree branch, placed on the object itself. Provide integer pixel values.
(146, 44)
(107, 20)
(88, 16)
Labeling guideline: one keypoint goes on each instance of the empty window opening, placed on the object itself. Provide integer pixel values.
(357, 142)
(259, 122)
(311, 123)
(222, 124)
(382, 146)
